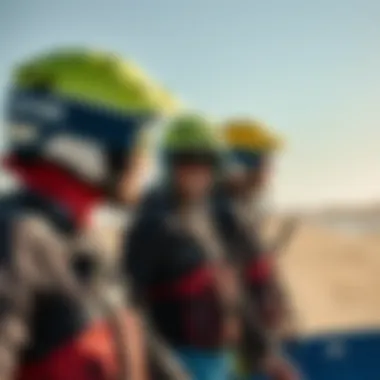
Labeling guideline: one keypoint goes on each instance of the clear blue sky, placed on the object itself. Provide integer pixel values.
(309, 68)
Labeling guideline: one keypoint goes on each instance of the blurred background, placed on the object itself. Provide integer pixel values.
(309, 69)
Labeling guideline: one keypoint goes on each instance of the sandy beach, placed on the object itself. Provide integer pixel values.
(332, 278)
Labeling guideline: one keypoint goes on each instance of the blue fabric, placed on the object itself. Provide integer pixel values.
(50, 115)
(258, 377)
(252, 377)
(345, 356)
(339, 356)
(206, 364)
(349, 356)
(246, 158)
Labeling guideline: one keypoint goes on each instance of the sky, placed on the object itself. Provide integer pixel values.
(310, 69)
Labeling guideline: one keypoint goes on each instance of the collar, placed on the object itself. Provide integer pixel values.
(56, 184)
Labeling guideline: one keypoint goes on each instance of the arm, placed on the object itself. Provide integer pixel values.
(14, 312)
(31, 259)
(265, 299)
(258, 275)
(257, 266)
(141, 263)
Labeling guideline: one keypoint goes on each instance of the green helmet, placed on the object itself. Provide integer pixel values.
(95, 77)
(82, 110)
(193, 135)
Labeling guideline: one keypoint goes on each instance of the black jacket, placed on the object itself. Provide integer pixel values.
(35, 290)
(170, 268)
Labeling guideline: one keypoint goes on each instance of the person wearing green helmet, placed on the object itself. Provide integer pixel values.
(74, 120)
(175, 260)
(191, 150)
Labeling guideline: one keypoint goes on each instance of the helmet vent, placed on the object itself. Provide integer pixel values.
(42, 85)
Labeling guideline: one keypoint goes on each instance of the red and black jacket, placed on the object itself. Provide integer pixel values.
(173, 277)
(59, 327)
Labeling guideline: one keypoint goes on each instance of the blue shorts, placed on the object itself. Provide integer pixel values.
(250, 377)
(206, 364)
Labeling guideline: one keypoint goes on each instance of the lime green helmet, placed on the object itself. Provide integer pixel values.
(191, 138)
(192, 134)
(82, 110)
(95, 77)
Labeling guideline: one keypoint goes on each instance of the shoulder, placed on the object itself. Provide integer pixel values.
(222, 207)
(154, 213)
(150, 229)
(155, 201)
(28, 239)
(10, 212)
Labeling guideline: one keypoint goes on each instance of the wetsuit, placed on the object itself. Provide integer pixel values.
(256, 267)
(176, 279)
(52, 327)
(176, 272)
(245, 247)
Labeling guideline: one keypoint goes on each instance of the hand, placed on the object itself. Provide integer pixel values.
(273, 306)
(278, 368)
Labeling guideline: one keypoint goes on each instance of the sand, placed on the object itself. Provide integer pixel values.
(333, 279)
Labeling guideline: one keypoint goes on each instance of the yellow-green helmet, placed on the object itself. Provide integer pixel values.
(82, 109)
(191, 138)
